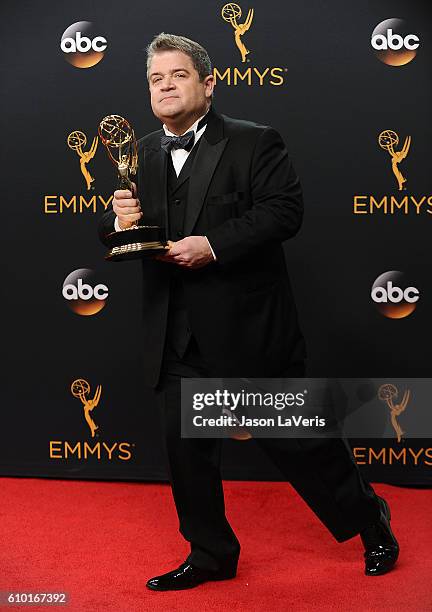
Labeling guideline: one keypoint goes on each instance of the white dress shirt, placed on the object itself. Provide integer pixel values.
(179, 156)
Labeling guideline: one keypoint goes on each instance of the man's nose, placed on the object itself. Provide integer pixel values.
(167, 83)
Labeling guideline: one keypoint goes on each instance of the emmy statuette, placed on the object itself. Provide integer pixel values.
(136, 241)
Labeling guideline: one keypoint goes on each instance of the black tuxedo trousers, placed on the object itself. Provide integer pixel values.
(322, 471)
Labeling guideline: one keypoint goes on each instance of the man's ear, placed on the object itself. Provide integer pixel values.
(209, 84)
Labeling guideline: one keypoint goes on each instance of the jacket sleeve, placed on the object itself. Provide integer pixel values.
(277, 204)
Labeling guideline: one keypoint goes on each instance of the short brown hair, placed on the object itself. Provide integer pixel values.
(165, 42)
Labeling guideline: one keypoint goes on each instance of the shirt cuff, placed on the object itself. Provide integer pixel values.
(214, 256)
(116, 225)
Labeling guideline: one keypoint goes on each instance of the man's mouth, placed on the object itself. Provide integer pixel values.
(169, 98)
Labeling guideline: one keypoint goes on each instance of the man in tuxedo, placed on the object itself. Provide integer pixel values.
(219, 304)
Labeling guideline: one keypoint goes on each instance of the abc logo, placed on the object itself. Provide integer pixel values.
(391, 299)
(80, 47)
(84, 295)
(392, 44)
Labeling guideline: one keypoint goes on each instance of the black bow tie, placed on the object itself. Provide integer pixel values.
(178, 142)
(183, 142)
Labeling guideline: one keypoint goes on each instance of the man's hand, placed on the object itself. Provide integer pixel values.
(127, 207)
(192, 252)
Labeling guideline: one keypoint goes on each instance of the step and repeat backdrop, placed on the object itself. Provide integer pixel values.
(347, 84)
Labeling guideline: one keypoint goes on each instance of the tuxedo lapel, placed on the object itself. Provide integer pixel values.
(211, 146)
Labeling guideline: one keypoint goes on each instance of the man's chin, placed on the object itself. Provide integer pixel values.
(169, 112)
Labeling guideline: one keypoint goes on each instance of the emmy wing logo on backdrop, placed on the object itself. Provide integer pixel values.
(400, 202)
(387, 140)
(390, 299)
(231, 14)
(398, 452)
(387, 393)
(80, 389)
(76, 141)
(92, 449)
(89, 201)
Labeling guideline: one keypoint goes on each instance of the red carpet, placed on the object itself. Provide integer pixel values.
(101, 541)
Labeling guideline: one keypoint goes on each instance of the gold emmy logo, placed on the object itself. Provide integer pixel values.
(387, 393)
(80, 388)
(76, 141)
(387, 140)
(94, 449)
(230, 13)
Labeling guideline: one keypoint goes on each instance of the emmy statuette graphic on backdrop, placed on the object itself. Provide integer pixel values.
(230, 13)
(80, 388)
(76, 141)
(387, 140)
(387, 393)
(136, 241)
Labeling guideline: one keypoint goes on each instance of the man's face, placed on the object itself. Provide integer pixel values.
(175, 89)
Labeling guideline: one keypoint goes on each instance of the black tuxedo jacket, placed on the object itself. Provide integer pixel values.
(246, 198)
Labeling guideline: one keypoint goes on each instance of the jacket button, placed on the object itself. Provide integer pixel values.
(180, 234)
(177, 202)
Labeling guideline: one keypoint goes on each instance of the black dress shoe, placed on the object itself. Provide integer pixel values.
(186, 576)
(381, 547)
